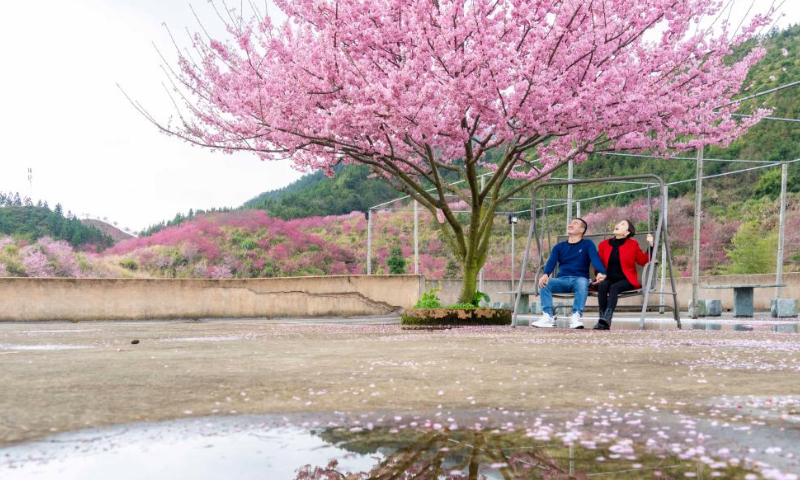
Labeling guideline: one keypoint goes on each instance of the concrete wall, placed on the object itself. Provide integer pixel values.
(41, 299)
(37, 299)
(762, 297)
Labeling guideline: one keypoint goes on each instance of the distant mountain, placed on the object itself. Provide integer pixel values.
(115, 233)
(350, 189)
(34, 222)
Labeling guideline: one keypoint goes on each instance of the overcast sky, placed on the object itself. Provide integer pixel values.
(62, 115)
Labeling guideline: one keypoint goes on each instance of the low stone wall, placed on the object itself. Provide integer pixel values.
(41, 299)
(762, 296)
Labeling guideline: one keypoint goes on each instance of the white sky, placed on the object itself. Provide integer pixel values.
(62, 114)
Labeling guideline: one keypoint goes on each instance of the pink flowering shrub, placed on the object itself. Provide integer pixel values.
(3, 270)
(48, 258)
(244, 244)
(36, 262)
(218, 271)
(791, 240)
(62, 257)
(249, 243)
(715, 238)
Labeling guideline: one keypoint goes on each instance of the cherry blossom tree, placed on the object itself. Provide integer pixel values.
(423, 91)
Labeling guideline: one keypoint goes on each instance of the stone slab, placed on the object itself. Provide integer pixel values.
(783, 308)
(743, 302)
(535, 308)
(713, 308)
(701, 309)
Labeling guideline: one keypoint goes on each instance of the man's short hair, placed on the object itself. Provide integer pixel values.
(585, 225)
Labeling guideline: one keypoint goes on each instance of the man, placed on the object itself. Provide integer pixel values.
(573, 258)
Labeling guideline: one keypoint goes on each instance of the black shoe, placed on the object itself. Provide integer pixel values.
(602, 325)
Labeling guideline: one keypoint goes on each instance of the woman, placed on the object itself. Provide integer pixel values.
(620, 256)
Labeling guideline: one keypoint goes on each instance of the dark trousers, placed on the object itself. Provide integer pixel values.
(608, 292)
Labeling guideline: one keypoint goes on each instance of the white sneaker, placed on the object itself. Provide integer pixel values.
(545, 322)
(575, 321)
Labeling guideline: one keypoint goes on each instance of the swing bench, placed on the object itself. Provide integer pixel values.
(647, 274)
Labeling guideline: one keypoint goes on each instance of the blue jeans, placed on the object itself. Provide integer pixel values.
(576, 285)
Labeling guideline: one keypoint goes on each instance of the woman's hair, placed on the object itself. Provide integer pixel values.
(631, 228)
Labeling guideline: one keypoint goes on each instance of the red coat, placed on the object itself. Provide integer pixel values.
(630, 253)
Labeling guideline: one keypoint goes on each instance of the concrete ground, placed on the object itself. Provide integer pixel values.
(60, 377)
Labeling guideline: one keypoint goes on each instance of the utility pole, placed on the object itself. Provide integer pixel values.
(781, 228)
(416, 239)
(570, 176)
(369, 241)
(698, 214)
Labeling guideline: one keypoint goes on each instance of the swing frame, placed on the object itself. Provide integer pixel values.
(648, 274)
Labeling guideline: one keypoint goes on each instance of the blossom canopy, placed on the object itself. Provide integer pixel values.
(392, 82)
(424, 90)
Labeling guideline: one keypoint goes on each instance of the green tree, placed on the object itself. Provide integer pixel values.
(753, 250)
(33, 222)
(396, 262)
(451, 270)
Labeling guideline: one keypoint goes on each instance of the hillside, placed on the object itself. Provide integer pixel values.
(34, 222)
(115, 233)
(350, 189)
(248, 244)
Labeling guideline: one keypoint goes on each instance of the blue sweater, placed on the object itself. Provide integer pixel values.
(573, 259)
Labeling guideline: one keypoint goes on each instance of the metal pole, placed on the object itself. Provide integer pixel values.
(781, 229)
(480, 272)
(665, 212)
(416, 240)
(648, 282)
(512, 260)
(698, 214)
(570, 167)
(369, 241)
(571, 460)
(524, 266)
(578, 209)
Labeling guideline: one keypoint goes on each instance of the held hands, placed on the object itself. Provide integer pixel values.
(543, 280)
(600, 277)
(650, 239)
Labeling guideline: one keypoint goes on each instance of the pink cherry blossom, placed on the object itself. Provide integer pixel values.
(415, 88)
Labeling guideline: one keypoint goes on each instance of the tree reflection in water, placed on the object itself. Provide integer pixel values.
(476, 455)
(463, 455)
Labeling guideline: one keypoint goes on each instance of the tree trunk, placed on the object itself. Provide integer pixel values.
(471, 264)
(473, 252)
(469, 282)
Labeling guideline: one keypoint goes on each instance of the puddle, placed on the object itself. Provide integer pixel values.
(37, 332)
(786, 328)
(709, 323)
(8, 346)
(449, 446)
(227, 338)
(775, 326)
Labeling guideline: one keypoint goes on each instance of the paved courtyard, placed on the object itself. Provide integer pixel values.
(61, 377)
